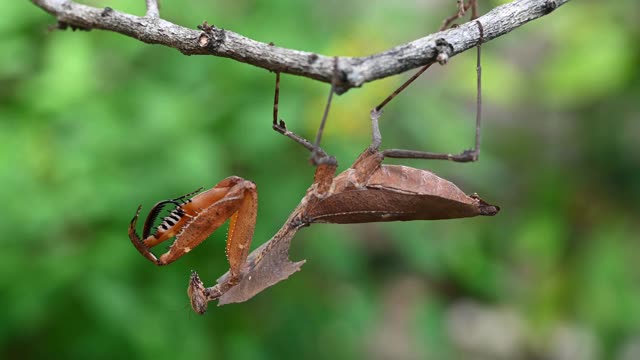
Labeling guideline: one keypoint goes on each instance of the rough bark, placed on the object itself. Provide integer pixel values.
(355, 70)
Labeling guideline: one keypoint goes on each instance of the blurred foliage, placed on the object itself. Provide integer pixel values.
(94, 123)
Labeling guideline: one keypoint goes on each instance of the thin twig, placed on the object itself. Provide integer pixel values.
(153, 10)
(479, 89)
(356, 70)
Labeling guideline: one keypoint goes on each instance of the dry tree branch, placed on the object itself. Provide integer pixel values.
(356, 70)
(153, 11)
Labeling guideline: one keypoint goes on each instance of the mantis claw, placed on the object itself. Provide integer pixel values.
(195, 218)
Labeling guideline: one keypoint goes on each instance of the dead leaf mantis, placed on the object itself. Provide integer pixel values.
(367, 192)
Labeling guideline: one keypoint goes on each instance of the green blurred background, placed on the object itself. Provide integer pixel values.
(94, 123)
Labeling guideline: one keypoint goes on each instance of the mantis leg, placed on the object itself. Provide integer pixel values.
(318, 156)
(279, 124)
(241, 227)
(151, 241)
(465, 156)
(326, 165)
(200, 216)
(137, 242)
(233, 205)
(462, 8)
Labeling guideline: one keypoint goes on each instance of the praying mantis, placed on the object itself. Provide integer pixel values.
(368, 191)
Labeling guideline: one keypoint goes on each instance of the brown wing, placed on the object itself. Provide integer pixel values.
(399, 193)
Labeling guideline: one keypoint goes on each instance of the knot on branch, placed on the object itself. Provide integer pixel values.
(444, 50)
(211, 36)
(106, 11)
(312, 58)
(342, 80)
(63, 25)
(549, 6)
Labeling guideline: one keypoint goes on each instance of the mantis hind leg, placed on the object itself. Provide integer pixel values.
(465, 156)
(241, 228)
(318, 155)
